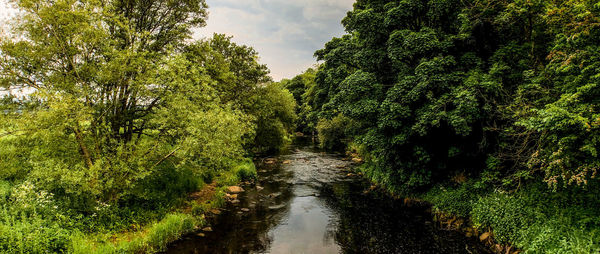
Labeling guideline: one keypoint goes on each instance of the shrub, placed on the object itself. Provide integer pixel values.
(458, 201)
(332, 133)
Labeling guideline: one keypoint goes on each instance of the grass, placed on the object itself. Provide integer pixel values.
(156, 236)
(30, 231)
(153, 239)
(534, 219)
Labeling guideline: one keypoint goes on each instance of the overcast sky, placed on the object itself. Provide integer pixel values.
(286, 33)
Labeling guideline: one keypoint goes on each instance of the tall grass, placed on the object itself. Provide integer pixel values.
(154, 239)
(534, 219)
(38, 224)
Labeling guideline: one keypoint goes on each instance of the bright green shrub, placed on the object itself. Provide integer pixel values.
(333, 133)
(20, 233)
(275, 110)
(169, 229)
(458, 201)
(246, 170)
(506, 215)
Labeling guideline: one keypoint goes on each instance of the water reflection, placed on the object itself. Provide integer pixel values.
(307, 203)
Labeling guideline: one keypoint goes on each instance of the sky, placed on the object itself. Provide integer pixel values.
(286, 33)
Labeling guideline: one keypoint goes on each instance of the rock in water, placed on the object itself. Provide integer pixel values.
(245, 210)
(357, 160)
(484, 236)
(207, 229)
(276, 207)
(235, 189)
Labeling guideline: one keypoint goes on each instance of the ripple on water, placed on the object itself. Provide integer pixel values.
(309, 205)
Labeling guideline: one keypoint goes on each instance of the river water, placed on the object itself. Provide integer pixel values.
(308, 202)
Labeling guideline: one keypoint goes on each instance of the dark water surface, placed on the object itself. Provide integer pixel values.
(309, 204)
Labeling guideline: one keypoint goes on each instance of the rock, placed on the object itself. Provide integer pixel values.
(234, 196)
(200, 234)
(207, 229)
(245, 210)
(235, 201)
(235, 189)
(286, 162)
(259, 188)
(484, 236)
(274, 195)
(215, 211)
(276, 207)
(498, 248)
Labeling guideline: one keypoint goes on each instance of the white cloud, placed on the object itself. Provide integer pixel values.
(286, 33)
(7, 12)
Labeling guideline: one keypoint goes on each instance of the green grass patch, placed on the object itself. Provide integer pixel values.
(243, 171)
(534, 219)
(34, 223)
(154, 239)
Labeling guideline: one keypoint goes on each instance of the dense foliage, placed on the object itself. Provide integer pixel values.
(437, 88)
(302, 88)
(126, 117)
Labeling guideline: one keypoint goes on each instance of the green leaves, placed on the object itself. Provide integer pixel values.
(359, 96)
(516, 81)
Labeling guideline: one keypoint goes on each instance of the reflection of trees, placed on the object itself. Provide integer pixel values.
(379, 225)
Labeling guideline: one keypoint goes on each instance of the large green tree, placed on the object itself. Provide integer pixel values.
(439, 87)
(119, 104)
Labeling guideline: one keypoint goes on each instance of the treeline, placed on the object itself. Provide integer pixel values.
(127, 116)
(434, 88)
(483, 97)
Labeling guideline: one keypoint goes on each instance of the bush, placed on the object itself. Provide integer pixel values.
(333, 133)
(534, 219)
(31, 234)
(275, 110)
(458, 201)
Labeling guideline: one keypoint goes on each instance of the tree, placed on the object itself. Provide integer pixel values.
(119, 104)
(435, 88)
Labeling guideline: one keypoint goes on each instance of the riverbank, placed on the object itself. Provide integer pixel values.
(185, 219)
(532, 219)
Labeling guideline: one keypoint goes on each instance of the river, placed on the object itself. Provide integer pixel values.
(309, 202)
